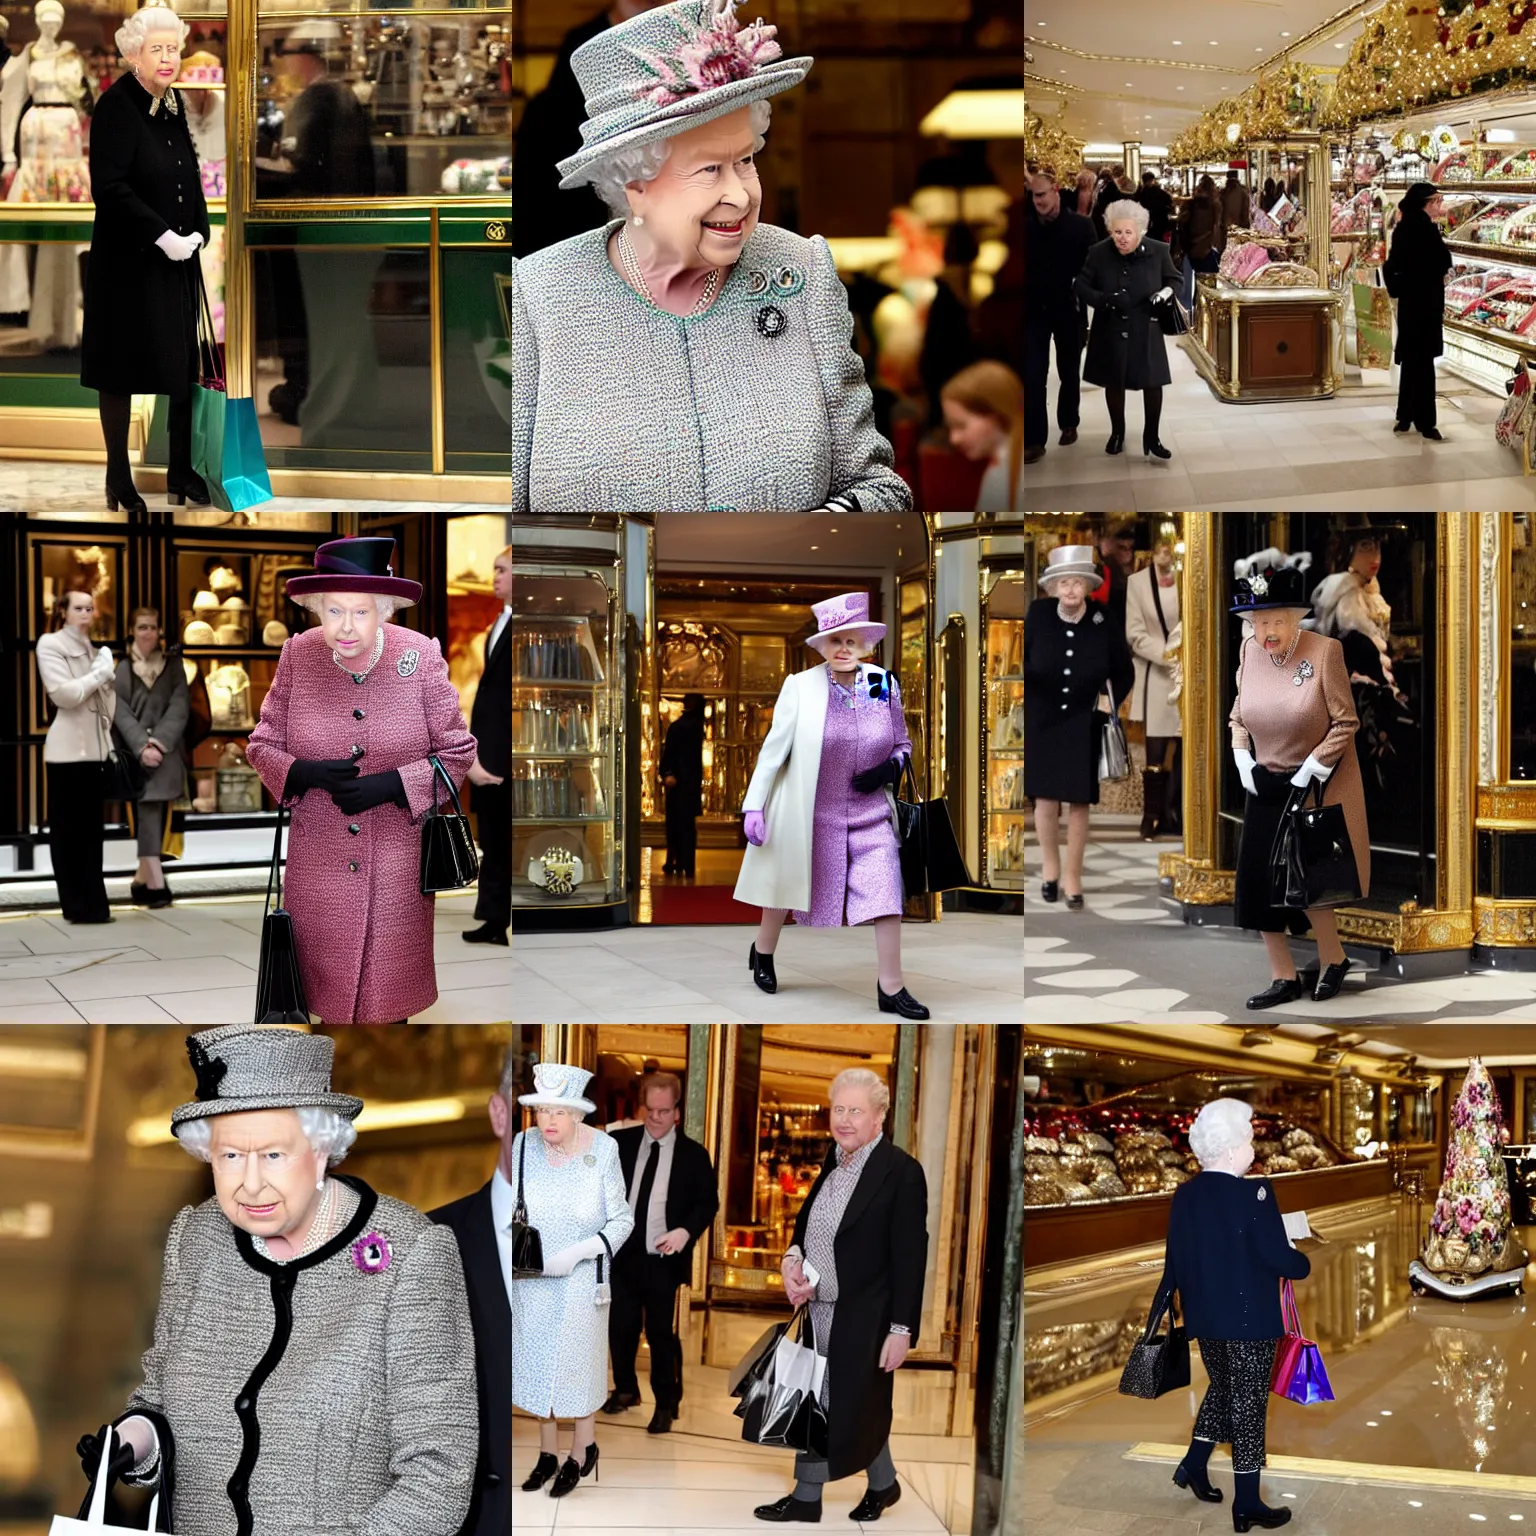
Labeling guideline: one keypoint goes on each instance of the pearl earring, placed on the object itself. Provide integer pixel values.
(639, 220)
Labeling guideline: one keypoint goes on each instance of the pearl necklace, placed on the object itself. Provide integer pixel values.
(551, 1154)
(321, 1229)
(378, 650)
(1282, 661)
(1061, 613)
(631, 264)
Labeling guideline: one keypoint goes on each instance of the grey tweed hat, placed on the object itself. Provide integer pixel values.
(667, 70)
(248, 1066)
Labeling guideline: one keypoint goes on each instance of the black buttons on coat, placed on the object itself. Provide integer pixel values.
(243, 1406)
(357, 751)
(353, 828)
(358, 714)
(352, 865)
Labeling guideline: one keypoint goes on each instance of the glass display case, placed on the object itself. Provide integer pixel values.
(565, 677)
(1002, 727)
(912, 668)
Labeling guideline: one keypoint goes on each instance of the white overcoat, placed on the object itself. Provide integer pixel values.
(1144, 635)
(783, 788)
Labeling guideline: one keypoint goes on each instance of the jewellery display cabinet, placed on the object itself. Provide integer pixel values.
(1002, 727)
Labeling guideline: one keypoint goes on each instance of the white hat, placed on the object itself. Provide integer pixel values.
(204, 600)
(559, 1087)
(1070, 560)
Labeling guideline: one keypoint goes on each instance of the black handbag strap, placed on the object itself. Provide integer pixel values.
(1157, 603)
(439, 772)
(1162, 1304)
(275, 872)
(520, 1210)
(603, 1239)
(909, 781)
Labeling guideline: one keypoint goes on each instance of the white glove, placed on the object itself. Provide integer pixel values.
(1309, 770)
(563, 1262)
(179, 247)
(1245, 765)
(102, 661)
(1162, 295)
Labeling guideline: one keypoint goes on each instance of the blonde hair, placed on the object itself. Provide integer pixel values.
(993, 389)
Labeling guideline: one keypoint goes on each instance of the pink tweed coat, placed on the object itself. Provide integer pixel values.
(363, 928)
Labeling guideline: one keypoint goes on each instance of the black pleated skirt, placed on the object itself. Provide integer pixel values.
(1261, 821)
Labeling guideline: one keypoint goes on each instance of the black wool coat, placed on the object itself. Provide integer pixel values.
(682, 758)
(1414, 274)
(1227, 1253)
(140, 332)
(1125, 345)
(1054, 252)
(490, 716)
(881, 1249)
(490, 1510)
(693, 1197)
(1065, 669)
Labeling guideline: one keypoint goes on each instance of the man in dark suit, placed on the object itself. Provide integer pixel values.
(482, 1224)
(682, 773)
(1056, 242)
(490, 719)
(674, 1194)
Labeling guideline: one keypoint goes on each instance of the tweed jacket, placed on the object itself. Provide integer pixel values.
(313, 1397)
(757, 405)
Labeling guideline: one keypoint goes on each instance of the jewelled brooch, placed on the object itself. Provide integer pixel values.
(589, 1160)
(1098, 618)
(771, 321)
(1302, 673)
(407, 663)
(372, 1253)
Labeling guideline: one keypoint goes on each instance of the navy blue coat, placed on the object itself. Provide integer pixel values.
(1227, 1253)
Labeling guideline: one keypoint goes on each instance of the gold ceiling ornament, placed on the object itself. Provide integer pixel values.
(1414, 55)
(1048, 147)
(1324, 31)
(1283, 100)
(1189, 65)
(1054, 87)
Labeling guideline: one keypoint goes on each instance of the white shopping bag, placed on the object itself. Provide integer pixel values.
(95, 1520)
(797, 1367)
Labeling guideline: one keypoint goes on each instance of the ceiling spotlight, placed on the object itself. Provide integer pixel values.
(1177, 43)
(1338, 45)
(1178, 87)
(1285, 34)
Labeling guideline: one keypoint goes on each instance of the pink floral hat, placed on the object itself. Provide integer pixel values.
(668, 70)
(845, 615)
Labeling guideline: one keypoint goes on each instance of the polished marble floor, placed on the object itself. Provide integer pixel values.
(967, 969)
(195, 963)
(1129, 957)
(1287, 456)
(702, 1477)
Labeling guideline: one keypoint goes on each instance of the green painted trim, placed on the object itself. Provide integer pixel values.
(41, 229)
(903, 1108)
(395, 230)
(45, 392)
(698, 1081)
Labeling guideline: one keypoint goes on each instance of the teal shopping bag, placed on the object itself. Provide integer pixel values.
(226, 441)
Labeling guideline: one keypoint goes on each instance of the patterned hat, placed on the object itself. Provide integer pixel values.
(667, 70)
(848, 614)
(356, 565)
(559, 1087)
(1071, 560)
(1273, 588)
(241, 1067)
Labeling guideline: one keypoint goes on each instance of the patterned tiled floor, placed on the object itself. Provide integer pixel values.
(1130, 958)
(1291, 455)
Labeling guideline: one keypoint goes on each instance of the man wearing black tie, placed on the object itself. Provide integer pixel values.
(674, 1195)
(490, 719)
(482, 1224)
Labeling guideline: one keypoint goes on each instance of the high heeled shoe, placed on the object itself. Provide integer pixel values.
(1266, 1518)
(900, 1001)
(1151, 448)
(543, 1469)
(1116, 443)
(761, 967)
(125, 495)
(571, 1474)
(1198, 1484)
(187, 486)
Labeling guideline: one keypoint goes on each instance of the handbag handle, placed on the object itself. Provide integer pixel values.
(1162, 1303)
(439, 772)
(520, 1210)
(603, 1239)
(1289, 1316)
(210, 364)
(275, 872)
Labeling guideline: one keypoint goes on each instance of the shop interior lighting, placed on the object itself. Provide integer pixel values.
(156, 1131)
(995, 114)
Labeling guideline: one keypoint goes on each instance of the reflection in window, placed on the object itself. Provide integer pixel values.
(1522, 648)
(384, 104)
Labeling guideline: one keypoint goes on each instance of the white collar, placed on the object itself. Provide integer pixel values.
(670, 1139)
(501, 1201)
(1226, 1171)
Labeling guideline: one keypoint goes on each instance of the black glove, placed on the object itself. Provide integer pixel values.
(875, 778)
(370, 790)
(89, 1451)
(311, 773)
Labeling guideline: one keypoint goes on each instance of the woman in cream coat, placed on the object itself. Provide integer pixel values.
(820, 812)
(81, 685)
(1151, 631)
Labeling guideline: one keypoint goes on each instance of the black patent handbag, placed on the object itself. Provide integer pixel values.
(448, 860)
(1312, 861)
(1159, 1362)
(527, 1245)
(930, 852)
(279, 983)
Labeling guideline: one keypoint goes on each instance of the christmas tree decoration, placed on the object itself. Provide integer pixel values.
(1472, 1250)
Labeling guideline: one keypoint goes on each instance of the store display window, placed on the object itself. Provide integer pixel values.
(625, 1053)
(388, 105)
(474, 541)
(1101, 1126)
(912, 669)
(60, 565)
(1002, 773)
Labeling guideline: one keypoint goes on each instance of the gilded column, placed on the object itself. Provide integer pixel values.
(1456, 566)
(240, 102)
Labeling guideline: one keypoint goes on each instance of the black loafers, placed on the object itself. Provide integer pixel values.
(761, 967)
(1286, 990)
(1075, 903)
(1330, 981)
(1050, 890)
(1116, 443)
(790, 1508)
(901, 1002)
(875, 1503)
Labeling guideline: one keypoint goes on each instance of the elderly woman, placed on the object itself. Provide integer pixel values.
(567, 1175)
(358, 693)
(1072, 651)
(142, 281)
(153, 705)
(1293, 723)
(313, 1365)
(820, 812)
(1227, 1250)
(685, 357)
(863, 1230)
(79, 683)
(1124, 278)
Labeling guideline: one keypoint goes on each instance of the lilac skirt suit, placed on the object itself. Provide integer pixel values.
(855, 862)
